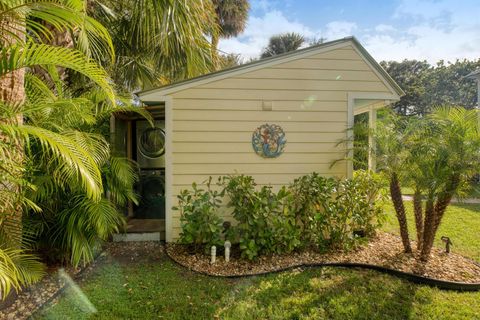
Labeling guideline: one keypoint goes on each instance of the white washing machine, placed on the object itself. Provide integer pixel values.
(150, 147)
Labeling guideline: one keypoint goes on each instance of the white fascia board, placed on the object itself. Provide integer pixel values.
(154, 94)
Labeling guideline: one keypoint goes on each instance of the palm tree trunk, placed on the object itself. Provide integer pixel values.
(12, 92)
(435, 214)
(215, 40)
(428, 230)
(396, 194)
(418, 213)
(444, 200)
(59, 38)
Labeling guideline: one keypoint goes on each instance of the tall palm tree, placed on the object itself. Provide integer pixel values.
(231, 17)
(283, 43)
(392, 158)
(71, 224)
(157, 41)
(20, 32)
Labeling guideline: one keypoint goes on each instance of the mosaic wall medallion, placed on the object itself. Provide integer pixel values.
(268, 140)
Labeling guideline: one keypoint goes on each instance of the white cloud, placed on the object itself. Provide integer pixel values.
(418, 29)
(339, 29)
(384, 28)
(258, 32)
(441, 30)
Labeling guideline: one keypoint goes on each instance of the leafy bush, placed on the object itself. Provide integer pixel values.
(201, 226)
(313, 201)
(336, 213)
(324, 212)
(266, 223)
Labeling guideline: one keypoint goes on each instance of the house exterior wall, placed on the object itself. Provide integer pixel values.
(212, 124)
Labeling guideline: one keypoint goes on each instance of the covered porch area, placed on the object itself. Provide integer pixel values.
(366, 106)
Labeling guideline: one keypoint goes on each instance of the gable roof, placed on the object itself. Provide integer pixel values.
(146, 95)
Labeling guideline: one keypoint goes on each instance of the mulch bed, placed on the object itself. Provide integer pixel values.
(383, 250)
(32, 298)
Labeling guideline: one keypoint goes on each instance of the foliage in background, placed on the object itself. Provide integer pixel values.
(283, 43)
(315, 211)
(201, 225)
(157, 42)
(360, 138)
(231, 17)
(427, 86)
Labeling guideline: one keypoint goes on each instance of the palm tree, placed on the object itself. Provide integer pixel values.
(20, 32)
(231, 17)
(392, 158)
(157, 41)
(71, 224)
(445, 155)
(283, 43)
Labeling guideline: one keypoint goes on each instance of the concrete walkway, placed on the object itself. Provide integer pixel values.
(454, 200)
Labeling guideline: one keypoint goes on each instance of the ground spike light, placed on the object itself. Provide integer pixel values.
(227, 246)
(447, 242)
(213, 253)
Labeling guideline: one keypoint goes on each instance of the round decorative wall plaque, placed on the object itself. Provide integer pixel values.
(268, 140)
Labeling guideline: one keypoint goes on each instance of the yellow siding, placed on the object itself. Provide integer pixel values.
(213, 122)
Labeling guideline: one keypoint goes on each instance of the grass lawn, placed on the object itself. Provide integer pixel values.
(461, 223)
(130, 289)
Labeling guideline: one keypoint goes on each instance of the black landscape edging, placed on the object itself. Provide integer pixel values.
(441, 284)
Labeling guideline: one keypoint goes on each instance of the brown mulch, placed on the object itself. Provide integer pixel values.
(384, 250)
(32, 298)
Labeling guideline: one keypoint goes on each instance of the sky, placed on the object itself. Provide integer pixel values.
(429, 30)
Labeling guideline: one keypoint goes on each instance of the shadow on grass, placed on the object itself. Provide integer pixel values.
(326, 293)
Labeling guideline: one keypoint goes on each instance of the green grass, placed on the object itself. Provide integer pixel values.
(461, 223)
(166, 291)
(162, 290)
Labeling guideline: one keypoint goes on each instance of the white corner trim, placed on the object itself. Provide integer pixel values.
(350, 123)
(168, 166)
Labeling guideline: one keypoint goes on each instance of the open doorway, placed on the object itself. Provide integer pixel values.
(135, 138)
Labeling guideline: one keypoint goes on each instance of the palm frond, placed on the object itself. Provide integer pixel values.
(17, 269)
(21, 56)
(75, 162)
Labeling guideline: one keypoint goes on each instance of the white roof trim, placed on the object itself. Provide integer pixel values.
(155, 94)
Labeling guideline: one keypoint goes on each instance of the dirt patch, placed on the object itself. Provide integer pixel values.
(383, 250)
(135, 252)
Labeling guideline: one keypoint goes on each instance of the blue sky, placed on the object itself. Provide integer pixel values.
(389, 29)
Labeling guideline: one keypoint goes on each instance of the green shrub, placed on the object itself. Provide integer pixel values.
(336, 213)
(315, 211)
(369, 192)
(266, 223)
(201, 226)
(313, 202)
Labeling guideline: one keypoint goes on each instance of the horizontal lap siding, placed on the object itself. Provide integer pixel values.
(213, 123)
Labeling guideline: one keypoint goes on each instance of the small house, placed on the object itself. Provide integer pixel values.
(275, 119)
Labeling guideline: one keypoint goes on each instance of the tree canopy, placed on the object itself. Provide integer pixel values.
(283, 43)
(427, 86)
